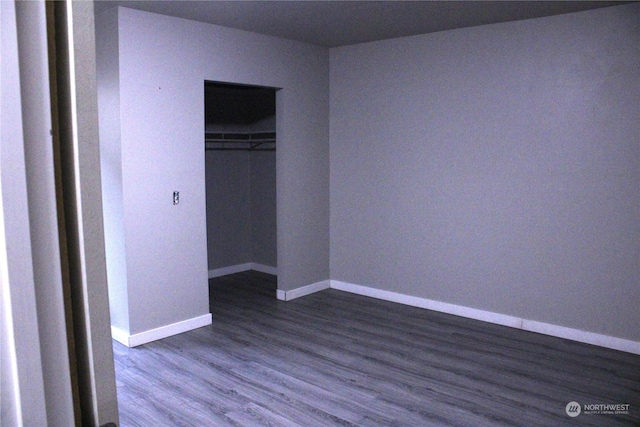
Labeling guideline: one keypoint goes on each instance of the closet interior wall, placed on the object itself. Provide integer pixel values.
(241, 184)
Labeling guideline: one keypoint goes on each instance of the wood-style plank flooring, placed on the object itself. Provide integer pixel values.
(337, 359)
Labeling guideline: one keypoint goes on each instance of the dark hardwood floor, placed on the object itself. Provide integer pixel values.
(337, 359)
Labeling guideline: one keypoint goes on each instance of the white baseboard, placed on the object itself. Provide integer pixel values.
(161, 332)
(264, 268)
(119, 335)
(238, 268)
(428, 304)
(586, 337)
(232, 269)
(601, 340)
(302, 291)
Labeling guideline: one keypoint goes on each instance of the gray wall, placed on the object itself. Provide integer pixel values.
(241, 208)
(264, 229)
(162, 64)
(108, 75)
(228, 208)
(495, 167)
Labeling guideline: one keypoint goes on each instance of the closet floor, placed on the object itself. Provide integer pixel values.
(337, 359)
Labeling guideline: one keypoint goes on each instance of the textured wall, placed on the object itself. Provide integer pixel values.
(495, 167)
(108, 75)
(163, 64)
(241, 208)
(228, 208)
(264, 248)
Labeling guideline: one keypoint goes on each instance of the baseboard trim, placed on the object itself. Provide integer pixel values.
(239, 268)
(428, 304)
(578, 335)
(161, 332)
(302, 291)
(264, 268)
(119, 335)
(586, 337)
(232, 269)
(601, 340)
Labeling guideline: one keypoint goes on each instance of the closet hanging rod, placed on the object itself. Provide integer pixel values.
(240, 141)
(239, 149)
(239, 136)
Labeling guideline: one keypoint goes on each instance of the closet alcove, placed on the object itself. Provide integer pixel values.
(240, 156)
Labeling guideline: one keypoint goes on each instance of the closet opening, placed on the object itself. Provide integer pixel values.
(240, 145)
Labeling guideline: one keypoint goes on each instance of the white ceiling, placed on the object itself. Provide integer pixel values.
(338, 23)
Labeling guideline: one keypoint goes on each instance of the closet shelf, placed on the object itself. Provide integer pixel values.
(240, 141)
